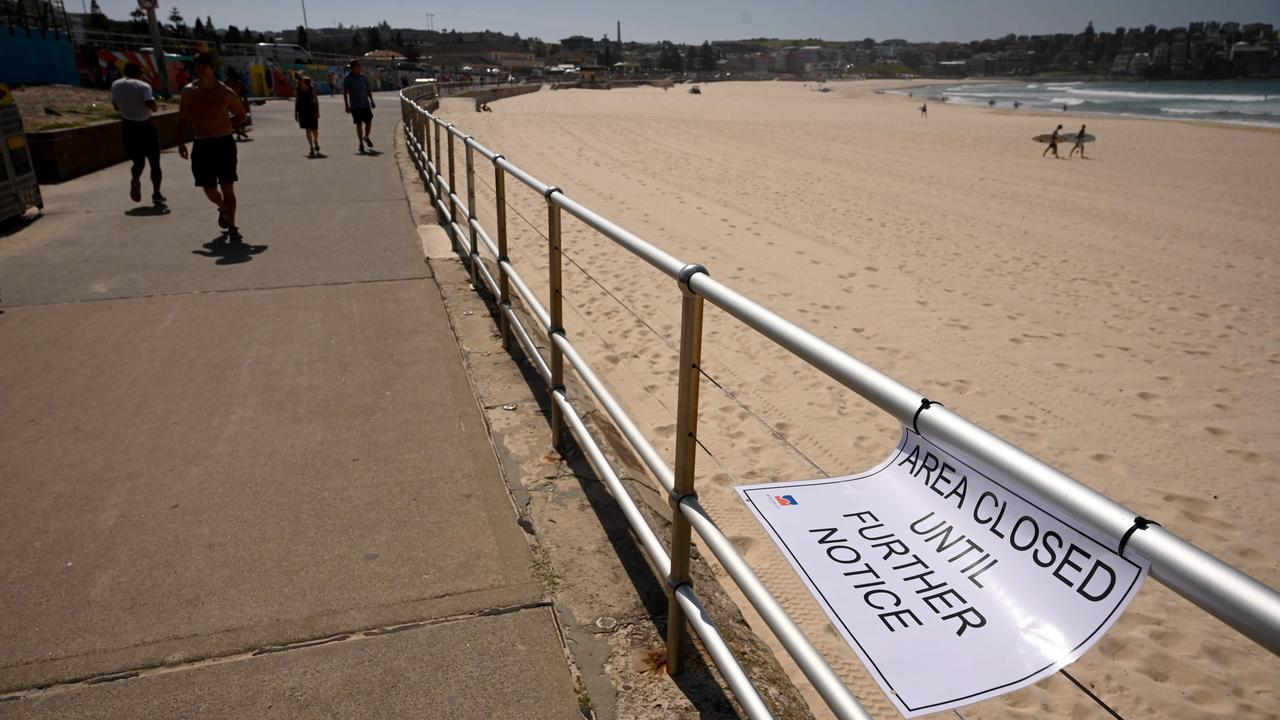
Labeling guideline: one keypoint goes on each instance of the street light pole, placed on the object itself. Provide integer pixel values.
(161, 67)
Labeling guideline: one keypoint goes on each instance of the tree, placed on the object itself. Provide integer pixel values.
(411, 53)
(375, 39)
(1089, 34)
(302, 37)
(232, 35)
(97, 20)
(209, 29)
(138, 20)
(397, 40)
(198, 29)
(691, 58)
(707, 57)
(669, 58)
(179, 24)
(357, 42)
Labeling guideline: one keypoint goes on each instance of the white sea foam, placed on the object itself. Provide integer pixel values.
(1127, 95)
(1068, 101)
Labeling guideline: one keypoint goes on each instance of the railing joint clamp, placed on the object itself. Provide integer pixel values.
(675, 585)
(498, 157)
(553, 189)
(676, 499)
(686, 274)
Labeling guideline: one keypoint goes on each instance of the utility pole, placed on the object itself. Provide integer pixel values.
(161, 66)
(304, 22)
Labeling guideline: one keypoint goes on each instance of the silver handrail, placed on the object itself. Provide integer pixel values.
(1224, 591)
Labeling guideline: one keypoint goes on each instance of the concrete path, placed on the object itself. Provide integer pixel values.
(253, 485)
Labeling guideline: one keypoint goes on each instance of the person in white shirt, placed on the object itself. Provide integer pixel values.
(132, 96)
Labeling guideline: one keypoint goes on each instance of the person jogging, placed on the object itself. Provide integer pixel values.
(1053, 143)
(207, 111)
(133, 97)
(357, 97)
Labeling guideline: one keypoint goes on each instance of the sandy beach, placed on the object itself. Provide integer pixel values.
(1118, 317)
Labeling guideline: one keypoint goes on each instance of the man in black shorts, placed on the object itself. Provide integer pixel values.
(357, 96)
(208, 111)
(132, 96)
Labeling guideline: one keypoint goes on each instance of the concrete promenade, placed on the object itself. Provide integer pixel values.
(253, 484)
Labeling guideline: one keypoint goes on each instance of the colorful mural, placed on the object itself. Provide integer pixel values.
(111, 67)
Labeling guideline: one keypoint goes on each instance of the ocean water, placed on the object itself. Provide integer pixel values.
(1246, 102)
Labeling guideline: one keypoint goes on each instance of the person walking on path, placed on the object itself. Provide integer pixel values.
(1079, 143)
(306, 110)
(924, 110)
(207, 111)
(133, 97)
(1053, 143)
(357, 97)
(238, 87)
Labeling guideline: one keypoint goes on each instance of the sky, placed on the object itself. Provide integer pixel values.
(692, 21)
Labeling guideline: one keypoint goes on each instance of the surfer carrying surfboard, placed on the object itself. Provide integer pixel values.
(1053, 143)
(1079, 143)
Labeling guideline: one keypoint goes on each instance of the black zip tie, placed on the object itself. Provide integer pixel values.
(925, 404)
(1139, 523)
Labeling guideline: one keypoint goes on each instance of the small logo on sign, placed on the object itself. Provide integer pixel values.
(786, 500)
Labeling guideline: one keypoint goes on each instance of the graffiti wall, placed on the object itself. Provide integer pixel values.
(111, 68)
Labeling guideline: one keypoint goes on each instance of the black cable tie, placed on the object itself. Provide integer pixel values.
(925, 404)
(1139, 523)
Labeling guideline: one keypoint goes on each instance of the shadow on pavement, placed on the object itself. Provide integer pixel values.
(148, 211)
(229, 253)
(9, 227)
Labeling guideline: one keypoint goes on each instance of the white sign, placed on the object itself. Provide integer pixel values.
(951, 583)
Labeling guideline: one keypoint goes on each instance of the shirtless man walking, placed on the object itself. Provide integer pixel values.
(208, 111)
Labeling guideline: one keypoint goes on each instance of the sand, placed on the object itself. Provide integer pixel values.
(1116, 317)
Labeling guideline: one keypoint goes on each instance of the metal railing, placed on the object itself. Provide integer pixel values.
(1229, 594)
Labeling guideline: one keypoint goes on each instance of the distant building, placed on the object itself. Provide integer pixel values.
(1251, 60)
(512, 58)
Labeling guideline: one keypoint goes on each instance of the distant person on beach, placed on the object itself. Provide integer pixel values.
(333, 83)
(133, 97)
(924, 110)
(207, 111)
(357, 97)
(1053, 143)
(306, 110)
(1079, 144)
(1017, 104)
